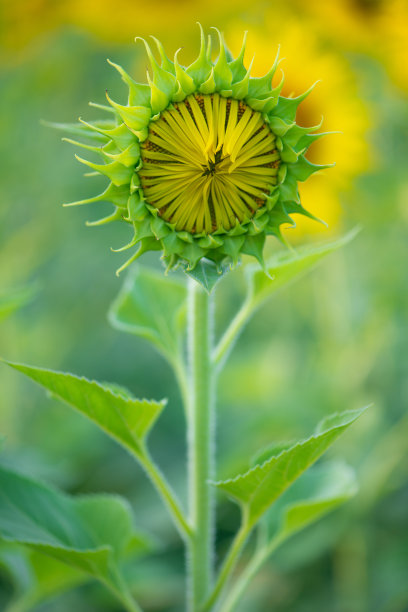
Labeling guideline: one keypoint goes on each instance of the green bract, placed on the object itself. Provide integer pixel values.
(203, 161)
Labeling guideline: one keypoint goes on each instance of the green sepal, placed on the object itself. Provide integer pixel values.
(272, 199)
(185, 236)
(93, 131)
(139, 94)
(117, 215)
(114, 194)
(279, 126)
(135, 117)
(304, 168)
(166, 63)
(254, 245)
(163, 80)
(288, 189)
(209, 241)
(222, 71)
(287, 154)
(192, 253)
(116, 172)
(159, 228)
(239, 89)
(207, 273)
(200, 69)
(296, 133)
(236, 66)
(296, 207)
(136, 208)
(261, 86)
(258, 222)
(209, 86)
(263, 105)
(232, 247)
(185, 81)
(308, 139)
(287, 107)
(129, 157)
(145, 245)
(119, 134)
(172, 244)
(142, 229)
(159, 99)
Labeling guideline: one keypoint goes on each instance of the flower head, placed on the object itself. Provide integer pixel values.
(203, 161)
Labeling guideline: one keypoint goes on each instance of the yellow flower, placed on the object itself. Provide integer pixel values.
(379, 29)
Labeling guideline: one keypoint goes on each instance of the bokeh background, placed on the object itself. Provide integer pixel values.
(337, 339)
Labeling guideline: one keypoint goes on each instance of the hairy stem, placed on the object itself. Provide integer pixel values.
(200, 445)
(168, 496)
(236, 326)
(259, 558)
(228, 566)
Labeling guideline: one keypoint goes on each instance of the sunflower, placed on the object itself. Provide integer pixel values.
(203, 161)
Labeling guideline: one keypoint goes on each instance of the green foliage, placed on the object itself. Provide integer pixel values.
(257, 489)
(263, 282)
(124, 418)
(317, 492)
(89, 533)
(207, 273)
(286, 266)
(36, 577)
(152, 306)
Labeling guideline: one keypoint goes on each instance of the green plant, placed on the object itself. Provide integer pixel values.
(203, 200)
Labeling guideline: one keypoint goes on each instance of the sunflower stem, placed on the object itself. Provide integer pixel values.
(226, 343)
(200, 445)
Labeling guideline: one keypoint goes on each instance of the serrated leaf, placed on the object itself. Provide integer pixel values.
(257, 489)
(207, 274)
(126, 419)
(89, 533)
(286, 266)
(15, 299)
(314, 494)
(152, 306)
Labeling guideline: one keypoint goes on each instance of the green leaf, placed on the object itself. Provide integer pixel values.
(284, 267)
(257, 489)
(15, 299)
(152, 306)
(36, 577)
(124, 418)
(207, 273)
(314, 494)
(89, 533)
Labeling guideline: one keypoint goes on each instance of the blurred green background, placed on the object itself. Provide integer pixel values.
(337, 339)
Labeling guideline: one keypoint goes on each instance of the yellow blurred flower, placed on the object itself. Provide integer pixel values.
(121, 21)
(336, 99)
(378, 28)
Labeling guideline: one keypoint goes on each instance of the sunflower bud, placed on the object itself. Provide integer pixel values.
(204, 161)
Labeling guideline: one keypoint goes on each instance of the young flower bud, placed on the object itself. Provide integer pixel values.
(204, 161)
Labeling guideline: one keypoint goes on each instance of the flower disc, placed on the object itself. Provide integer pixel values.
(208, 163)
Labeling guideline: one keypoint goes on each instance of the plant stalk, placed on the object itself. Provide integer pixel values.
(167, 495)
(200, 446)
(228, 566)
(236, 326)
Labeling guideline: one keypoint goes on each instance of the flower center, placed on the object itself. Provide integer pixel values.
(209, 163)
